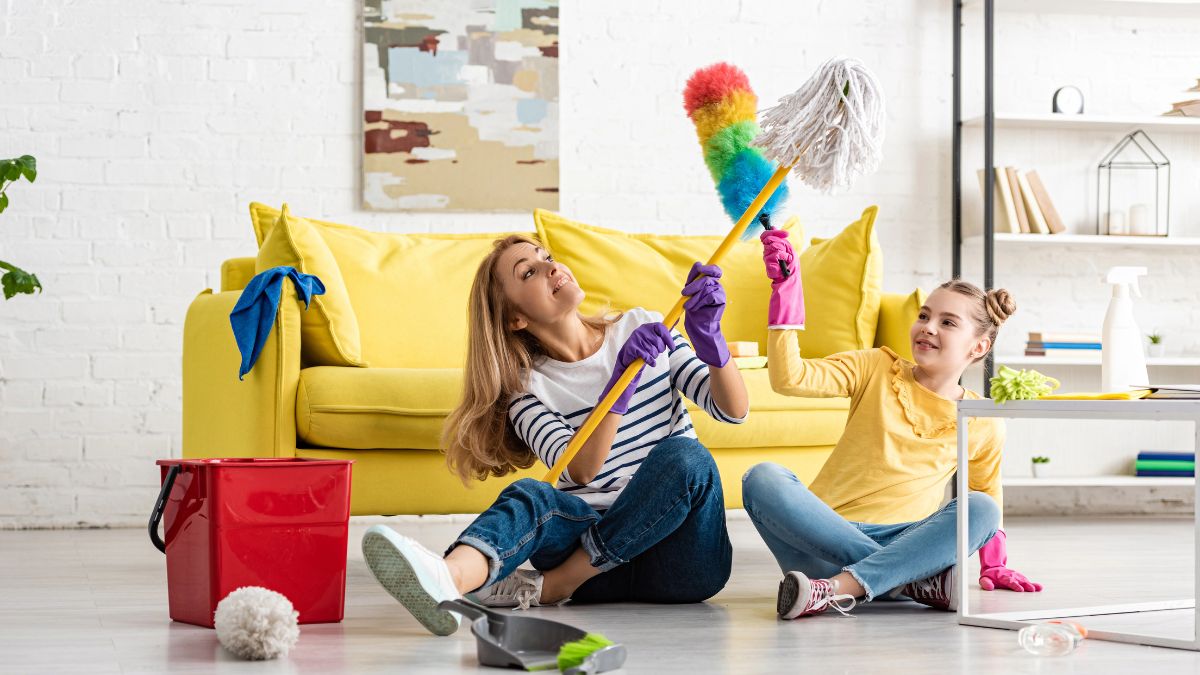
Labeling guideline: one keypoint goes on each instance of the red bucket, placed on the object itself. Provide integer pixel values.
(279, 523)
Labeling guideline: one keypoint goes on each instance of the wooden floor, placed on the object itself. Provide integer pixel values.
(94, 601)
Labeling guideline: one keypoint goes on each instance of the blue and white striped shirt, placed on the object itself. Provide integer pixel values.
(561, 395)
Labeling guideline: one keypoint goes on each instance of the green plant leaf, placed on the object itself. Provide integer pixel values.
(17, 280)
(12, 171)
(28, 167)
(3, 202)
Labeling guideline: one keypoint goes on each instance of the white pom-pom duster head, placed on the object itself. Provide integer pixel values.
(257, 623)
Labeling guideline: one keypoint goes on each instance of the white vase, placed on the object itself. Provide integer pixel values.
(1037, 470)
(1156, 350)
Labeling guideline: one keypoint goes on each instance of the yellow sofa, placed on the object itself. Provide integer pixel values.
(388, 415)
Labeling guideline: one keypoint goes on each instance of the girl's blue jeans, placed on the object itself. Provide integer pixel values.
(663, 540)
(805, 535)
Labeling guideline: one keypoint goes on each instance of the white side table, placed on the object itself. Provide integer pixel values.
(1188, 411)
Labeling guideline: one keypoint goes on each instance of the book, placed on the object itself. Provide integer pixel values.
(1173, 391)
(1006, 215)
(1037, 222)
(1177, 474)
(1063, 337)
(1163, 454)
(1164, 465)
(1080, 354)
(1188, 108)
(1062, 345)
(1053, 221)
(1014, 189)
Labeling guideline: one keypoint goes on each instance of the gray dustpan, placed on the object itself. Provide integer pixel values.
(509, 640)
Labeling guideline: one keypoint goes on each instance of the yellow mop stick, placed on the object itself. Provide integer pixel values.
(606, 404)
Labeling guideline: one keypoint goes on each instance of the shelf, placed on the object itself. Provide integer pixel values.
(1089, 122)
(1022, 360)
(1111, 7)
(1099, 481)
(1084, 240)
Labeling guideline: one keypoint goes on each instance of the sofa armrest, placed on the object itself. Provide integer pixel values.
(236, 273)
(896, 316)
(227, 417)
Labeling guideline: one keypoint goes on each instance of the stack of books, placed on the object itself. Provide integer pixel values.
(1063, 345)
(1156, 463)
(1189, 108)
(1022, 203)
(1184, 392)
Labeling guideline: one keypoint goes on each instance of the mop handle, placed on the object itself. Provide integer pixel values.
(606, 404)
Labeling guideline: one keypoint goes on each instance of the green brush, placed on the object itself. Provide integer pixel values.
(572, 654)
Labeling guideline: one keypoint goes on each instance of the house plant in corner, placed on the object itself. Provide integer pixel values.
(1156, 344)
(14, 279)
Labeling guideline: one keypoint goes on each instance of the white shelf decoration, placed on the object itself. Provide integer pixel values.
(1089, 122)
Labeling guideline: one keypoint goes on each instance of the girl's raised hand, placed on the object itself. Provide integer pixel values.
(705, 306)
(787, 293)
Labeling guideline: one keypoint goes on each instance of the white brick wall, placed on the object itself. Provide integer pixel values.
(156, 122)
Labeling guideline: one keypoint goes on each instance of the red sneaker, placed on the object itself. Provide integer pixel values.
(801, 596)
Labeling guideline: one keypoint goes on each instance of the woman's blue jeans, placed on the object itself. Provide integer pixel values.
(663, 540)
(805, 535)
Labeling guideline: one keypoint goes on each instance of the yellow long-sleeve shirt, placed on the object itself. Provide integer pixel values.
(898, 450)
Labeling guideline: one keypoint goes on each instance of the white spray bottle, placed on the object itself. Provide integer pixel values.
(1123, 364)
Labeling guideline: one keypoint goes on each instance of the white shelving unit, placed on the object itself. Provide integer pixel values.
(1100, 481)
(1118, 7)
(1083, 240)
(1022, 360)
(1090, 122)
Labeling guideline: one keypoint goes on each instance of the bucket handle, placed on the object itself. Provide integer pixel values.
(159, 505)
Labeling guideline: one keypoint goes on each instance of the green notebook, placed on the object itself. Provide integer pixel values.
(1165, 465)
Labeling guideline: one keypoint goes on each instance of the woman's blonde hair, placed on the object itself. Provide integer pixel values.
(991, 310)
(478, 438)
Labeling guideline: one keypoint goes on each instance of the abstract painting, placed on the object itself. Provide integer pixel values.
(460, 105)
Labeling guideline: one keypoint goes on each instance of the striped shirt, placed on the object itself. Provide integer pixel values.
(561, 395)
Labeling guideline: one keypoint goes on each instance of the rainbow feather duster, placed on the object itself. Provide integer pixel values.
(722, 105)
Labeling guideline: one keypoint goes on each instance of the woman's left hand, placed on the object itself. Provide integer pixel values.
(994, 571)
(704, 308)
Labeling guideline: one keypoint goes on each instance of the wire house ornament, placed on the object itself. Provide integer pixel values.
(1136, 152)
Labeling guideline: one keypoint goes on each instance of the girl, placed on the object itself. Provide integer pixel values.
(869, 525)
(639, 514)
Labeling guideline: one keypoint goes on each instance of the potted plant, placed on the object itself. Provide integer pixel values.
(1156, 343)
(1039, 465)
(13, 279)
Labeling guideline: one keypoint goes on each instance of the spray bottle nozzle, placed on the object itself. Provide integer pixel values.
(1125, 276)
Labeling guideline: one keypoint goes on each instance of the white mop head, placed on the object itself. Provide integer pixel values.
(256, 623)
(831, 129)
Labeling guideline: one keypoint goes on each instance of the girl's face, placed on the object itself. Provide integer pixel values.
(944, 336)
(542, 291)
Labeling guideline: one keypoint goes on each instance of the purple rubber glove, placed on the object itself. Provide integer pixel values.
(704, 307)
(993, 570)
(646, 342)
(787, 295)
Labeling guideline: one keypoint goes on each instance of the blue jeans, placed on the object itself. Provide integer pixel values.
(807, 536)
(663, 539)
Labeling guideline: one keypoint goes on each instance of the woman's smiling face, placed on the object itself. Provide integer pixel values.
(541, 290)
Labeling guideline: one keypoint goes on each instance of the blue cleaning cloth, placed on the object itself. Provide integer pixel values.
(254, 313)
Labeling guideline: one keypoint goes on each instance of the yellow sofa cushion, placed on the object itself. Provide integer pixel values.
(409, 290)
(329, 329)
(371, 408)
(620, 270)
(896, 315)
(842, 287)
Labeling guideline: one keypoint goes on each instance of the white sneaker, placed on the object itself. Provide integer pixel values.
(801, 596)
(414, 575)
(522, 589)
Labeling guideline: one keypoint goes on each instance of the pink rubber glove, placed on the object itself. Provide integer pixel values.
(993, 570)
(787, 295)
